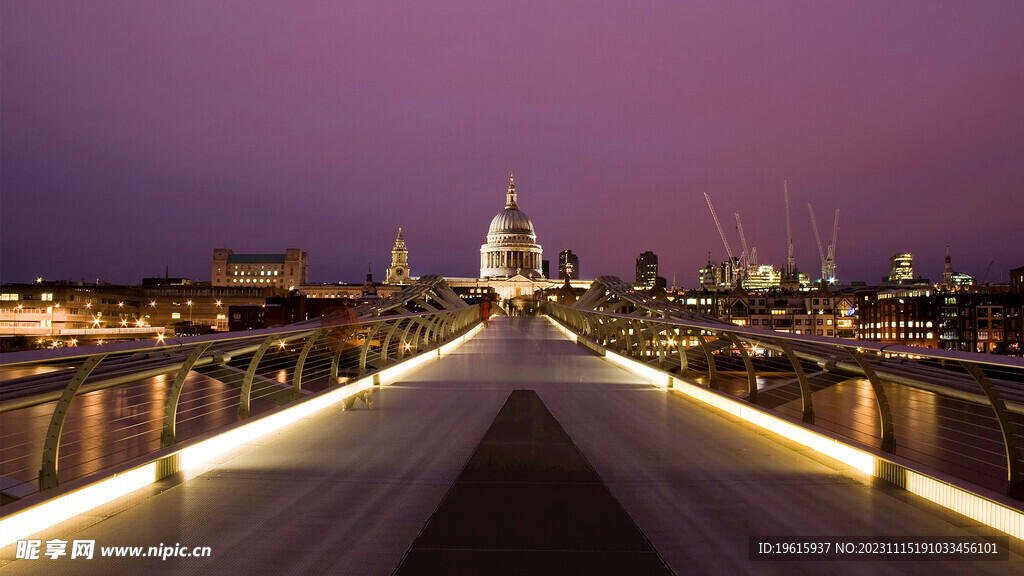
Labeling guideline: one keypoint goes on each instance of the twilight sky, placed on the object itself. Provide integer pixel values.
(136, 135)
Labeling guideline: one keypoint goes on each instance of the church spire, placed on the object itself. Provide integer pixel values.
(398, 272)
(510, 198)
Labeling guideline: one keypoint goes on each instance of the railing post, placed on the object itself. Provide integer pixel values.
(602, 333)
(1014, 477)
(332, 378)
(432, 326)
(387, 342)
(622, 328)
(404, 340)
(366, 348)
(881, 400)
(51, 445)
(641, 340)
(422, 333)
(446, 326)
(712, 370)
(751, 374)
(801, 378)
(168, 434)
(582, 323)
(684, 361)
(662, 346)
(297, 378)
(250, 373)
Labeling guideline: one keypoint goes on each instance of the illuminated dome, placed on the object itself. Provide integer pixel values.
(511, 221)
(511, 247)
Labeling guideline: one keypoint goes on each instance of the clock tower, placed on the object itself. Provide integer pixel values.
(398, 273)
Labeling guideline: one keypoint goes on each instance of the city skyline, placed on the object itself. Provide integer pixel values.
(138, 137)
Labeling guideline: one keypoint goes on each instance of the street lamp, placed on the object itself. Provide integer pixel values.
(189, 311)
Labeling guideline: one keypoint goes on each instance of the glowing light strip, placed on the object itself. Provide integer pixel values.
(196, 456)
(194, 459)
(656, 377)
(959, 500)
(51, 512)
(569, 333)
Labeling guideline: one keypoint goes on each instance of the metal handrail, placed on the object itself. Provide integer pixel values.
(333, 349)
(676, 343)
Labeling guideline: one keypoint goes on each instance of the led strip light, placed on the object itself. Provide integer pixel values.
(988, 512)
(196, 459)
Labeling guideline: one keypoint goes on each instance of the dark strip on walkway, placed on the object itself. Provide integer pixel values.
(528, 502)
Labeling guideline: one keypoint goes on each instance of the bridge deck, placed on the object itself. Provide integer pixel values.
(349, 493)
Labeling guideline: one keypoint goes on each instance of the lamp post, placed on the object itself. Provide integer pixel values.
(189, 312)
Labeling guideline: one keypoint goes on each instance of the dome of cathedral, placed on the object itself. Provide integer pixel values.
(511, 221)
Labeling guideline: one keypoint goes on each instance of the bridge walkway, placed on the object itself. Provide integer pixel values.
(351, 492)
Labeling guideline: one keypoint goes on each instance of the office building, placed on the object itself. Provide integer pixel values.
(568, 265)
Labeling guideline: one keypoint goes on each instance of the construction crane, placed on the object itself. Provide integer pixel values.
(790, 262)
(745, 257)
(749, 257)
(988, 270)
(725, 241)
(828, 259)
(817, 238)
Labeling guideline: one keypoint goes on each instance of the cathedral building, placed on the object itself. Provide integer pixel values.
(511, 249)
(511, 261)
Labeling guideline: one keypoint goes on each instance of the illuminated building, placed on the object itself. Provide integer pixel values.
(762, 278)
(819, 313)
(59, 311)
(512, 269)
(511, 249)
(987, 321)
(646, 270)
(902, 267)
(568, 265)
(715, 275)
(285, 271)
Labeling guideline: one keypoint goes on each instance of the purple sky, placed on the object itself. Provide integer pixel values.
(137, 135)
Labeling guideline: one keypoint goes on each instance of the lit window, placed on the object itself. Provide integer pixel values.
(175, 315)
